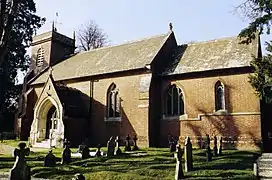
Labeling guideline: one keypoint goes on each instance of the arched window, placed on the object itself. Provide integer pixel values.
(113, 102)
(40, 57)
(174, 101)
(219, 96)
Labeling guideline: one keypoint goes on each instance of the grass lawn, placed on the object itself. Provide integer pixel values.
(149, 163)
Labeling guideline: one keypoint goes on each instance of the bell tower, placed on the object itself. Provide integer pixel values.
(50, 48)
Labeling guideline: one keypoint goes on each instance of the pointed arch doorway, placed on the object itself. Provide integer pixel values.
(47, 128)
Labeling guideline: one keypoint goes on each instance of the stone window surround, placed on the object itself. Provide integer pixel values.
(113, 88)
(181, 116)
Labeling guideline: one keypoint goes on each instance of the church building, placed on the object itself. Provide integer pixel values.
(151, 88)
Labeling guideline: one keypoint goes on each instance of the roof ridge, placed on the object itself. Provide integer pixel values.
(125, 43)
(212, 40)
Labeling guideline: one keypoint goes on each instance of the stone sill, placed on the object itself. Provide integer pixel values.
(221, 111)
(113, 119)
(169, 118)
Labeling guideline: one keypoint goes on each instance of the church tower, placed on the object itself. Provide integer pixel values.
(47, 49)
(50, 48)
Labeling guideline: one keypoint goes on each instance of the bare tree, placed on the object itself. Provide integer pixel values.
(8, 10)
(90, 36)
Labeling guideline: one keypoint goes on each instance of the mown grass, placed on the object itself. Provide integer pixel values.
(149, 164)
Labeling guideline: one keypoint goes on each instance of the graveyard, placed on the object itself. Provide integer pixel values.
(143, 163)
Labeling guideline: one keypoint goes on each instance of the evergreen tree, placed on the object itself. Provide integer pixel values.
(25, 24)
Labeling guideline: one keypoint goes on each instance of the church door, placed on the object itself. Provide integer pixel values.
(51, 115)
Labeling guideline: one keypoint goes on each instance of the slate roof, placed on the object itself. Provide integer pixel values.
(215, 54)
(132, 55)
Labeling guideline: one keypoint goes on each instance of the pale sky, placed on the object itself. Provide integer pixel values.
(126, 20)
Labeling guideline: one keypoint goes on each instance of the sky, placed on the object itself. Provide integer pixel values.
(126, 20)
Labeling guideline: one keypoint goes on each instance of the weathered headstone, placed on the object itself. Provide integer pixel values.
(20, 170)
(110, 146)
(66, 155)
(188, 155)
(85, 152)
(172, 144)
(78, 176)
(178, 155)
(98, 151)
(117, 147)
(65, 143)
(50, 159)
(135, 147)
(127, 143)
(220, 146)
(208, 148)
(215, 149)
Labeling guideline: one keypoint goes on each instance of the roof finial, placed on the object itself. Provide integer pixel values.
(74, 35)
(170, 26)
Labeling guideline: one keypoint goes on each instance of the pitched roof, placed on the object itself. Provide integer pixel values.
(132, 55)
(210, 55)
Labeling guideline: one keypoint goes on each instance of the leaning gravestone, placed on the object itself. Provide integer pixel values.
(135, 147)
(188, 155)
(127, 143)
(98, 151)
(208, 148)
(85, 154)
(78, 176)
(220, 146)
(215, 149)
(66, 155)
(50, 159)
(110, 146)
(117, 147)
(20, 170)
(179, 172)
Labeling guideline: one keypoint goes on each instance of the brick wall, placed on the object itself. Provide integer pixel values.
(240, 126)
(134, 110)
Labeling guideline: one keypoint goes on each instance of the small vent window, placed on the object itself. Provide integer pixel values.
(40, 57)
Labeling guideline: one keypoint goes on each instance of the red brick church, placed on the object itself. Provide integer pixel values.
(151, 88)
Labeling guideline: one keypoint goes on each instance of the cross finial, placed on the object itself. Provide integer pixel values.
(55, 22)
(170, 26)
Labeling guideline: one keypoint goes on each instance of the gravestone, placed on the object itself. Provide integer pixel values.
(85, 152)
(172, 143)
(220, 146)
(65, 143)
(80, 148)
(188, 155)
(110, 146)
(117, 147)
(179, 172)
(50, 159)
(127, 143)
(78, 176)
(215, 149)
(66, 155)
(20, 170)
(98, 151)
(208, 148)
(135, 147)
